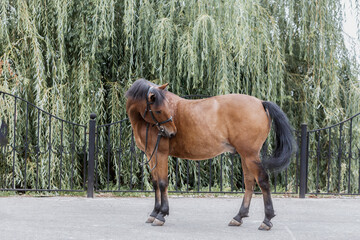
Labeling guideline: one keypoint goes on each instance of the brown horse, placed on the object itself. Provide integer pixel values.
(165, 124)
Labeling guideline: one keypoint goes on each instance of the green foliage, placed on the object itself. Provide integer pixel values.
(71, 58)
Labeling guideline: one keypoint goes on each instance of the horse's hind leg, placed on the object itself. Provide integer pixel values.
(249, 190)
(262, 179)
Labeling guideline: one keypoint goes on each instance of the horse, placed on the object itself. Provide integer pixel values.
(165, 124)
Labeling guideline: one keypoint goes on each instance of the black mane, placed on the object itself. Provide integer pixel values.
(140, 88)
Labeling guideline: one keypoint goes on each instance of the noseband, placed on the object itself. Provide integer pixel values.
(157, 124)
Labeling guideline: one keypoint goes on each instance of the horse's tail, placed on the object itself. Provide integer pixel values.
(285, 143)
(3, 133)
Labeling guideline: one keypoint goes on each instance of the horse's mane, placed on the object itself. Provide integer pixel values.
(140, 88)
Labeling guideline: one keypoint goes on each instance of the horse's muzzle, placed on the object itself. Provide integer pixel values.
(165, 133)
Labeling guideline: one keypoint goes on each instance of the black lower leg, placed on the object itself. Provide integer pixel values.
(244, 210)
(269, 209)
(268, 205)
(164, 208)
(157, 205)
(249, 190)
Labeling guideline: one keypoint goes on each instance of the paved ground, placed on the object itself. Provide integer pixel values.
(190, 218)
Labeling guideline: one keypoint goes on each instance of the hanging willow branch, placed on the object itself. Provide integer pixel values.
(73, 58)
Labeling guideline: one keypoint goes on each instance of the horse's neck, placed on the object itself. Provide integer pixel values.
(185, 109)
(135, 117)
(173, 101)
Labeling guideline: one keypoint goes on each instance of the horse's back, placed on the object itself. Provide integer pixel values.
(232, 110)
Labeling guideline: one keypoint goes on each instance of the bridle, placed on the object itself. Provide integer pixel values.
(148, 109)
(157, 124)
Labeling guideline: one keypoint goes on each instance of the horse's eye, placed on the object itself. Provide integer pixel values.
(158, 112)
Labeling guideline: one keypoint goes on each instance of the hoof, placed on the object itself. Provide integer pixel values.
(150, 220)
(235, 223)
(157, 222)
(265, 226)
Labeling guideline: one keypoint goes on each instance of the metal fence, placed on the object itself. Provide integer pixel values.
(335, 158)
(37, 145)
(222, 174)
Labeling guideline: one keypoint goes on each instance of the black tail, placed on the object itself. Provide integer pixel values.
(285, 143)
(3, 133)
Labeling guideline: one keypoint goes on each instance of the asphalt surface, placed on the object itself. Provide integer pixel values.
(190, 218)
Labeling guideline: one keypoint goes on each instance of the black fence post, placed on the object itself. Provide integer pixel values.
(91, 163)
(303, 160)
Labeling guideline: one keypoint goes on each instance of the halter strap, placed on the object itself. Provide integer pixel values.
(158, 124)
(147, 103)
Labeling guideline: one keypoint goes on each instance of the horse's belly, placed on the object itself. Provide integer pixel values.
(201, 150)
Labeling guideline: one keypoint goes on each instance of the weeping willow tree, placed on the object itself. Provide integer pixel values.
(71, 58)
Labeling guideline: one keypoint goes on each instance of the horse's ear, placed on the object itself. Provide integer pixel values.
(162, 87)
(151, 97)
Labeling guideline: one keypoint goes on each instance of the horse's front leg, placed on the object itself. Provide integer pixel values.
(157, 205)
(161, 172)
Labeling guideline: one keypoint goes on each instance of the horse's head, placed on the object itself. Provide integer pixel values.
(158, 111)
(153, 106)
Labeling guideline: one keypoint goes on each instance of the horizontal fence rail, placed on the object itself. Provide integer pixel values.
(47, 153)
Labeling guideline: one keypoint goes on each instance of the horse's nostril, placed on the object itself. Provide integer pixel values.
(172, 135)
